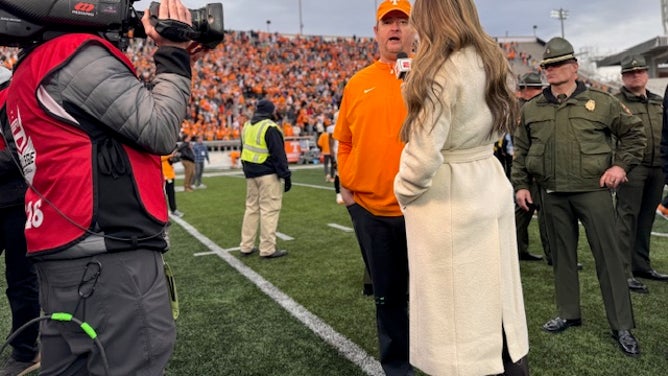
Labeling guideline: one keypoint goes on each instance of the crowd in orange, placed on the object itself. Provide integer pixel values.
(303, 76)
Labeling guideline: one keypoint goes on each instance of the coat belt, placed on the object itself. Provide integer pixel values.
(467, 155)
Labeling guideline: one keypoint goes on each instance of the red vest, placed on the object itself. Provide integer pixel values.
(68, 199)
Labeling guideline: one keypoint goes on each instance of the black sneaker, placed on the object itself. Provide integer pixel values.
(277, 253)
(253, 250)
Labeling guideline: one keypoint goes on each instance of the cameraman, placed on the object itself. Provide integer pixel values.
(90, 135)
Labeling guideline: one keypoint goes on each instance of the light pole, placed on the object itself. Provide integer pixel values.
(534, 30)
(268, 23)
(561, 14)
(301, 23)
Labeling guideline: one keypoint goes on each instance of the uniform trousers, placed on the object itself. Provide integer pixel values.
(596, 212)
(22, 287)
(522, 220)
(637, 200)
(264, 198)
(383, 244)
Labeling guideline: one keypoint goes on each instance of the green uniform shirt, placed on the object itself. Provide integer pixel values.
(650, 110)
(567, 146)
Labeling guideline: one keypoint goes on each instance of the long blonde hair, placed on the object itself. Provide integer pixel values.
(443, 27)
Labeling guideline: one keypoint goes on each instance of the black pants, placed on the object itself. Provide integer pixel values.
(22, 287)
(383, 244)
(171, 196)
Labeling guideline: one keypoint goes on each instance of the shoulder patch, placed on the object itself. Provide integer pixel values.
(626, 109)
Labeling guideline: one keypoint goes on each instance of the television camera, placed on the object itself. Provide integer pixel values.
(27, 22)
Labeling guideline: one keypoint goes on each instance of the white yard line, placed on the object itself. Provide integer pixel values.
(342, 344)
(283, 236)
(339, 227)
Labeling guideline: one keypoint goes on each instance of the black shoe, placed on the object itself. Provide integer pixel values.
(637, 286)
(652, 274)
(627, 342)
(276, 254)
(526, 256)
(367, 290)
(558, 325)
(253, 250)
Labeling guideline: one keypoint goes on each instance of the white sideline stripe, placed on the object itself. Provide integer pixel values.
(283, 236)
(344, 346)
(339, 227)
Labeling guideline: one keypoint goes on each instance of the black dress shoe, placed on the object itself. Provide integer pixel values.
(558, 325)
(637, 286)
(253, 250)
(276, 254)
(367, 290)
(627, 342)
(526, 256)
(652, 274)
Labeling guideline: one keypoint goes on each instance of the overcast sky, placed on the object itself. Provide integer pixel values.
(599, 26)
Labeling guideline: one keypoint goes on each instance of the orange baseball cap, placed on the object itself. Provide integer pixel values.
(385, 7)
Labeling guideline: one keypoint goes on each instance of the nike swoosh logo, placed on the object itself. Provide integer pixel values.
(368, 90)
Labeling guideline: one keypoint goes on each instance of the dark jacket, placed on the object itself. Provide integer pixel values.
(567, 146)
(186, 152)
(650, 110)
(277, 162)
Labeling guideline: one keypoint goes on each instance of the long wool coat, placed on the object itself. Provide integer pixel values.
(465, 287)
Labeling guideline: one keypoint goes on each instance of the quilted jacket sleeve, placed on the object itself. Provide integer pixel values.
(99, 85)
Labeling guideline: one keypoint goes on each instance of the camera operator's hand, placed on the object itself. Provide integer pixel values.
(169, 10)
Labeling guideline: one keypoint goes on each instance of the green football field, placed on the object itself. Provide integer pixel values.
(305, 314)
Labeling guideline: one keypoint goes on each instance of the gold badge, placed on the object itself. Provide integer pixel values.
(590, 105)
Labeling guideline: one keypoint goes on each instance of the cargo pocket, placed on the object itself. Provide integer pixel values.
(595, 158)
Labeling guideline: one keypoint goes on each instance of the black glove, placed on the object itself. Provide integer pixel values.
(288, 184)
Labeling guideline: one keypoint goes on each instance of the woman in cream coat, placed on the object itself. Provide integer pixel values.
(466, 307)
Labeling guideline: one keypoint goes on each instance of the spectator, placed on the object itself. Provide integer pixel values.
(187, 157)
(170, 176)
(22, 286)
(459, 104)
(325, 150)
(97, 214)
(638, 199)
(367, 129)
(201, 156)
(565, 144)
(265, 164)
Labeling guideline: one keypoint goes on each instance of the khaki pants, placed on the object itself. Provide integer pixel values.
(189, 171)
(264, 198)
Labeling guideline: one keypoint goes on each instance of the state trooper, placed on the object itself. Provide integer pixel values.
(530, 85)
(638, 198)
(565, 143)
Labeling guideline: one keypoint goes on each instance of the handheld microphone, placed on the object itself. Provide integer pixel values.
(402, 66)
